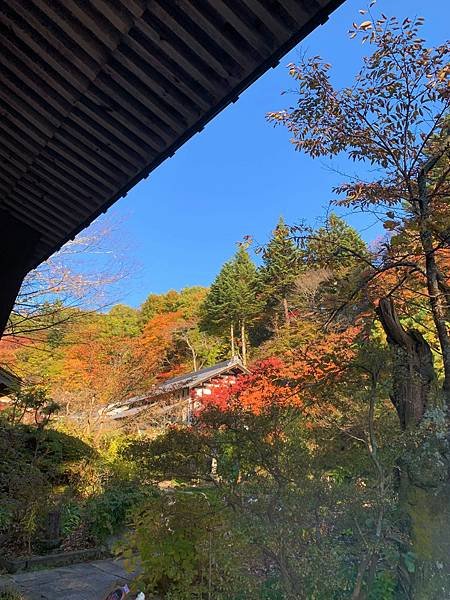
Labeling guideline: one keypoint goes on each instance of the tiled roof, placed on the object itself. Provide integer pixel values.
(137, 404)
(195, 378)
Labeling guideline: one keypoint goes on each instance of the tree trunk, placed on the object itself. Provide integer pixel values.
(368, 566)
(425, 500)
(425, 467)
(244, 344)
(436, 296)
(276, 326)
(193, 352)
(413, 370)
(437, 308)
(232, 340)
(287, 317)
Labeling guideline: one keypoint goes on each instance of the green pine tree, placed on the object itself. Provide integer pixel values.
(340, 253)
(335, 246)
(282, 264)
(232, 304)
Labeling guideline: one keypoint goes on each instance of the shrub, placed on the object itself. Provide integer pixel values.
(384, 586)
(24, 493)
(72, 515)
(42, 470)
(107, 512)
(271, 589)
(34, 465)
(188, 548)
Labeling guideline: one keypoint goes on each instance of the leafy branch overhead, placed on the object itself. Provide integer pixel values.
(393, 117)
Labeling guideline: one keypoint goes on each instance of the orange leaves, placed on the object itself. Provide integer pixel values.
(160, 328)
(263, 388)
(8, 349)
(86, 357)
(325, 358)
(295, 380)
(156, 341)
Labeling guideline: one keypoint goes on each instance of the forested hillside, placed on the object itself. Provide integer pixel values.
(254, 311)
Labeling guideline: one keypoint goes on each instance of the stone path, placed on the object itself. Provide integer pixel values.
(83, 581)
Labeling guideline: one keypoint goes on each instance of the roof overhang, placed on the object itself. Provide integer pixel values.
(96, 94)
(8, 381)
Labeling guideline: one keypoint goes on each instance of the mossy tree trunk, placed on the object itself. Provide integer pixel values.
(425, 469)
(425, 497)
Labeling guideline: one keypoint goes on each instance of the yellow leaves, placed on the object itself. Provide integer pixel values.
(278, 117)
(444, 73)
(366, 25)
(355, 194)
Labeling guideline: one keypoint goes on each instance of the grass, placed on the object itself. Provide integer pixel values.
(10, 594)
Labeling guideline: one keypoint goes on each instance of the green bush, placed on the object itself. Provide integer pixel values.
(271, 589)
(72, 516)
(103, 488)
(43, 470)
(61, 447)
(107, 513)
(34, 465)
(187, 548)
(384, 587)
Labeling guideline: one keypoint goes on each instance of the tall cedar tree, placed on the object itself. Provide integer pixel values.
(335, 246)
(232, 303)
(282, 265)
(337, 253)
(394, 119)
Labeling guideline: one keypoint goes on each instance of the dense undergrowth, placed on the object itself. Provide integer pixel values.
(60, 492)
(241, 505)
(273, 519)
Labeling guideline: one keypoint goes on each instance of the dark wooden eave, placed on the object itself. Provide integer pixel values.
(95, 94)
(9, 382)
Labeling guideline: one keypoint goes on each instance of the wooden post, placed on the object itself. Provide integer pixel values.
(17, 242)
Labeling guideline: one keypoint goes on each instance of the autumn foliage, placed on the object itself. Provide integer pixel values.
(294, 380)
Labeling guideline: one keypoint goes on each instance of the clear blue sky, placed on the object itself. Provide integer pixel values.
(240, 174)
